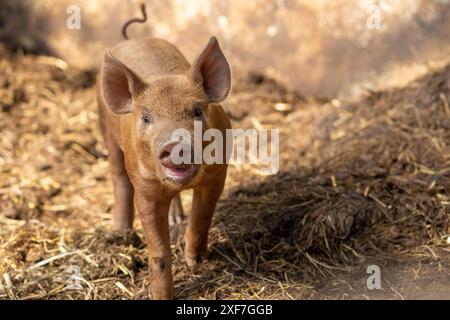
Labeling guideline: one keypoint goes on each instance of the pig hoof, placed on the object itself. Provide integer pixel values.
(193, 261)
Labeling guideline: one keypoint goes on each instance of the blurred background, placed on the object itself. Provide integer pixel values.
(321, 48)
(359, 90)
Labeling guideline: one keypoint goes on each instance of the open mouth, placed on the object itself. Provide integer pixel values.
(181, 173)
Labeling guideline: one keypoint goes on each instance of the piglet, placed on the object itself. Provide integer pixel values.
(146, 90)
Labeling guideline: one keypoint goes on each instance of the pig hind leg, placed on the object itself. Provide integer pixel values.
(176, 217)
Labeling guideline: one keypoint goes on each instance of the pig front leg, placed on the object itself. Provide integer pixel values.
(203, 206)
(123, 210)
(153, 212)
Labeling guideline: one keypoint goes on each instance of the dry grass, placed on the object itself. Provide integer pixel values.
(356, 180)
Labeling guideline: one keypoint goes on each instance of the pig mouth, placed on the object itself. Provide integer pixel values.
(180, 173)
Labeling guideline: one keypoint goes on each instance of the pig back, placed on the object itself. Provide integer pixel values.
(151, 57)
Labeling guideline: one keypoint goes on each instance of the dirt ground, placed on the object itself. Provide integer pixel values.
(359, 184)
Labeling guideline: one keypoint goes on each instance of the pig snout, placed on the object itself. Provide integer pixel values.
(166, 153)
(180, 170)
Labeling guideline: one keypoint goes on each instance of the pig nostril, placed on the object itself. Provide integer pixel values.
(166, 152)
(164, 155)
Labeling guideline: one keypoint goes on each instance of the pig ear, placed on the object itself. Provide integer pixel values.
(211, 72)
(119, 84)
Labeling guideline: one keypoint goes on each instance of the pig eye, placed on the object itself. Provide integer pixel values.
(146, 119)
(198, 112)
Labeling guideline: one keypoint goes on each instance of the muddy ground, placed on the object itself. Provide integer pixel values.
(359, 184)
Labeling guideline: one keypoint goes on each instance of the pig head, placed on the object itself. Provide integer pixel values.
(146, 91)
